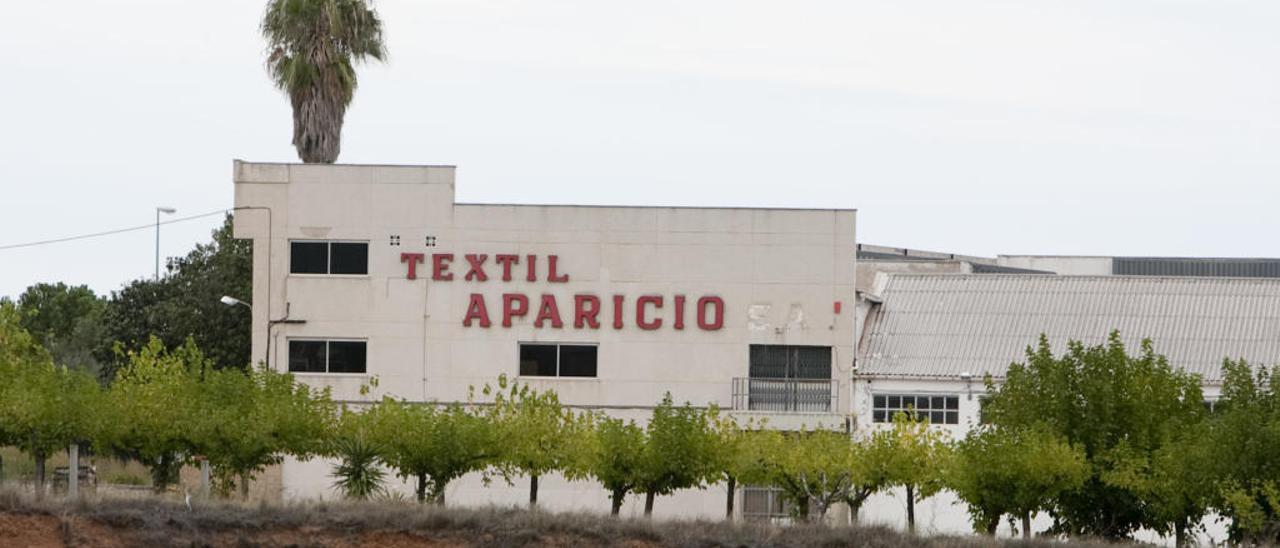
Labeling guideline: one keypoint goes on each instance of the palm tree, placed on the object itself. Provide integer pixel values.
(313, 47)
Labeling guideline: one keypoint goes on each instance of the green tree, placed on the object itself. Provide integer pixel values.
(815, 470)
(739, 457)
(1013, 473)
(913, 457)
(245, 421)
(67, 320)
(43, 407)
(185, 304)
(1115, 407)
(679, 451)
(433, 445)
(539, 435)
(1245, 449)
(616, 458)
(151, 407)
(314, 46)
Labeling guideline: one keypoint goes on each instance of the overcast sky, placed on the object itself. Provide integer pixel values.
(1138, 127)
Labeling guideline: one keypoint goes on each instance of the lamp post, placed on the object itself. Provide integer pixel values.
(232, 301)
(159, 210)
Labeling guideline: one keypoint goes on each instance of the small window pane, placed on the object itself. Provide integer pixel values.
(953, 417)
(877, 416)
(306, 356)
(938, 402)
(895, 402)
(309, 257)
(538, 360)
(938, 417)
(877, 401)
(953, 403)
(577, 361)
(347, 356)
(349, 258)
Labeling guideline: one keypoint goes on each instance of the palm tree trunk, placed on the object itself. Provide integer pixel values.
(317, 124)
(533, 490)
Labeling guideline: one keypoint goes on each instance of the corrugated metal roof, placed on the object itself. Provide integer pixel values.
(943, 325)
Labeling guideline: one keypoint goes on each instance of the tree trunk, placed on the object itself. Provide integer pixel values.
(244, 486)
(615, 501)
(728, 507)
(421, 488)
(802, 509)
(317, 121)
(1180, 533)
(991, 526)
(1026, 525)
(911, 509)
(648, 505)
(40, 461)
(533, 491)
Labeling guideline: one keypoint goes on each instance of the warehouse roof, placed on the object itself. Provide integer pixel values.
(933, 325)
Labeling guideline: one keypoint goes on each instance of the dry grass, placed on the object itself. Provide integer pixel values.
(162, 522)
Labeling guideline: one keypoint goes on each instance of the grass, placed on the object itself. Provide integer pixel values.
(167, 522)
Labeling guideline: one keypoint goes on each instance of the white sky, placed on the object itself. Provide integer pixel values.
(1138, 127)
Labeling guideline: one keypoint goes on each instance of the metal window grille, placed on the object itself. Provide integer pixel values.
(940, 409)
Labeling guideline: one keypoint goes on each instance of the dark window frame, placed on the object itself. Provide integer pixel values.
(595, 347)
(328, 355)
(884, 405)
(329, 257)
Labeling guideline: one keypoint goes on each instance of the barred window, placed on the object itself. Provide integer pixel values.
(935, 409)
(764, 503)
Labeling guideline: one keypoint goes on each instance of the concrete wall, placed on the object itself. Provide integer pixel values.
(1064, 265)
(785, 277)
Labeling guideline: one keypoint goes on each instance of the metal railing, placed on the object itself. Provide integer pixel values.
(785, 395)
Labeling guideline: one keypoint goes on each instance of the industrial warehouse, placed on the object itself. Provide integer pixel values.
(378, 283)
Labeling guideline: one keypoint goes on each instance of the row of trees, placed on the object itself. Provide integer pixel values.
(1106, 443)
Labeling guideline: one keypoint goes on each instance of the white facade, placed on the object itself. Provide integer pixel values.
(697, 287)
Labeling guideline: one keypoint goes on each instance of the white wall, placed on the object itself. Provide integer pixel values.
(780, 274)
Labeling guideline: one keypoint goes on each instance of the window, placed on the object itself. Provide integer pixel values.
(935, 409)
(557, 360)
(310, 257)
(327, 356)
(764, 504)
(787, 378)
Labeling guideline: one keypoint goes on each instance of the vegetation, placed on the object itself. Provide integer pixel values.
(1120, 410)
(314, 46)
(1102, 441)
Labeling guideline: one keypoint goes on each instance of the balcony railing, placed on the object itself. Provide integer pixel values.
(785, 395)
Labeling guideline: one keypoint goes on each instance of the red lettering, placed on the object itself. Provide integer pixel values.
(440, 267)
(679, 323)
(506, 261)
(533, 268)
(583, 316)
(548, 311)
(617, 311)
(475, 270)
(717, 320)
(552, 276)
(476, 311)
(510, 308)
(413, 259)
(641, 320)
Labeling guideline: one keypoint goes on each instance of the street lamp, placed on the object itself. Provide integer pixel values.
(159, 210)
(232, 301)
